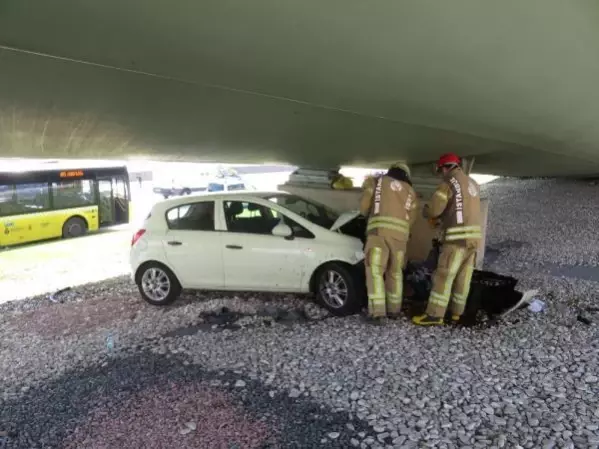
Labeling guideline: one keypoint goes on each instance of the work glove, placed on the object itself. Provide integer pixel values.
(425, 211)
(434, 222)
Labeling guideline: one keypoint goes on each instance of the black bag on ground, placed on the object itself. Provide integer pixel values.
(490, 293)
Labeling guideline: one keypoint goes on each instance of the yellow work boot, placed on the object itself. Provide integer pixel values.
(427, 320)
(455, 318)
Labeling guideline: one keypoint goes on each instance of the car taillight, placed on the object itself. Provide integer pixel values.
(137, 236)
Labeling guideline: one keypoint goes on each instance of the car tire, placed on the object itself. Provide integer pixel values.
(336, 289)
(157, 284)
(74, 227)
(186, 192)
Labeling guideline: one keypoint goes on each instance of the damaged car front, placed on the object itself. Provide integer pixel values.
(332, 244)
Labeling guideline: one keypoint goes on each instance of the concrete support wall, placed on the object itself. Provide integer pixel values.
(420, 242)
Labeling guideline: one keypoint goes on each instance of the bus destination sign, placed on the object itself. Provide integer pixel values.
(71, 174)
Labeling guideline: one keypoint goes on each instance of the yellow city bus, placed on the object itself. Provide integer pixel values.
(55, 200)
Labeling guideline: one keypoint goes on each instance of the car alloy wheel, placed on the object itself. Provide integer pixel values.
(333, 289)
(156, 284)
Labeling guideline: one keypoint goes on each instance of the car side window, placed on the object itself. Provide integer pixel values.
(253, 218)
(192, 217)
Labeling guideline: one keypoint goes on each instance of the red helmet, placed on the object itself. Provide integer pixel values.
(448, 159)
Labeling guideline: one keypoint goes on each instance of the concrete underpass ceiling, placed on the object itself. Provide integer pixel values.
(317, 83)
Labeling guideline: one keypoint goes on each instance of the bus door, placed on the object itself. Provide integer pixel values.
(113, 201)
(9, 225)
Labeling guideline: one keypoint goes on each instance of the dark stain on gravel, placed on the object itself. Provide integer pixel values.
(493, 252)
(585, 272)
(227, 319)
(47, 416)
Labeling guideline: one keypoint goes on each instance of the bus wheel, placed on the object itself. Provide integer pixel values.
(74, 227)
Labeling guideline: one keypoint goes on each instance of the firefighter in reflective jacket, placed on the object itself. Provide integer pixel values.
(390, 203)
(456, 205)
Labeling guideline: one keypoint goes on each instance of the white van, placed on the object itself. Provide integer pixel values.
(227, 184)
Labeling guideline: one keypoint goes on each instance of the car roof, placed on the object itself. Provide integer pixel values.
(229, 195)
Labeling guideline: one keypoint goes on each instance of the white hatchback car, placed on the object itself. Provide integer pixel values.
(250, 241)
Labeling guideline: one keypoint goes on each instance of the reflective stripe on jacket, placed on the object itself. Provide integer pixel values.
(390, 205)
(457, 203)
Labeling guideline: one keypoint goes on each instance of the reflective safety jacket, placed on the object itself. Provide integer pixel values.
(456, 202)
(390, 206)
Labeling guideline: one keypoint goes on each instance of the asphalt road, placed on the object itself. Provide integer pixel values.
(46, 267)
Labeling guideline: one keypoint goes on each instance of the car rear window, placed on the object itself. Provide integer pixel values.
(192, 217)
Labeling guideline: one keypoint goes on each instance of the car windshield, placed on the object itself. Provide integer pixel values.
(312, 211)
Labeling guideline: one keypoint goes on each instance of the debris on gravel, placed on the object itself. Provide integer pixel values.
(104, 369)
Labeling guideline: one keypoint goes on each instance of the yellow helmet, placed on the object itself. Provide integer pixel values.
(367, 180)
(403, 165)
(341, 182)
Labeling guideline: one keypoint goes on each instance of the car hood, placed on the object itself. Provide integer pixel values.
(344, 218)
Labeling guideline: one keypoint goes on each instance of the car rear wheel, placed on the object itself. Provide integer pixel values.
(157, 284)
(74, 227)
(335, 289)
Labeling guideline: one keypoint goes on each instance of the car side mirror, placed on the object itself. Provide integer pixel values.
(282, 230)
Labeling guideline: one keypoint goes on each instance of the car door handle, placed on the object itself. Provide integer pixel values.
(234, 247)
(174, 243)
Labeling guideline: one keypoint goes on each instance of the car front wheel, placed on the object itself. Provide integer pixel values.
(336, 289)
(157, 284)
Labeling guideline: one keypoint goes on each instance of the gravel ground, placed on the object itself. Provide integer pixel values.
(540, 221)
(103, 369)
(151, 401)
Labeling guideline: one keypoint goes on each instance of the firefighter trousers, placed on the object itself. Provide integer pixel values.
(451, 279)
(384, 260)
